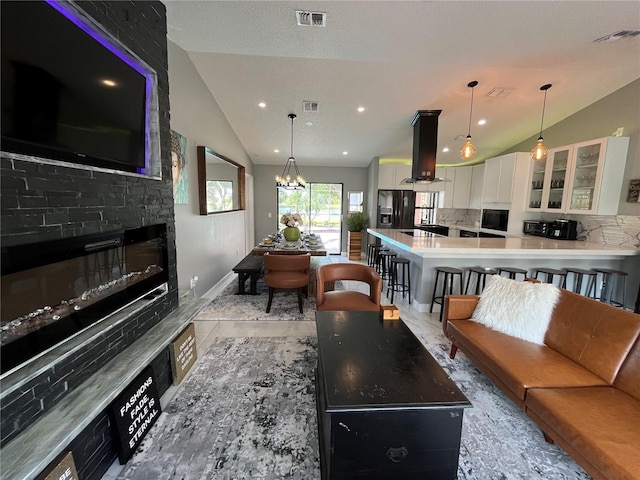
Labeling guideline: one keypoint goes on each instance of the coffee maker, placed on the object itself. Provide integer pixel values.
(563, 230)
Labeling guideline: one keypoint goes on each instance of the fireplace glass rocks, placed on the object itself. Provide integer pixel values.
(53, 290)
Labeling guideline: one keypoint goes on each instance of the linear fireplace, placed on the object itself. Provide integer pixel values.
(53, 290)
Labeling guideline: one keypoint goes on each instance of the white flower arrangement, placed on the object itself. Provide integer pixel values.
(291, 220)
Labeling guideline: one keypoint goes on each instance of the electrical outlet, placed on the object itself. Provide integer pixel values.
(194, 281)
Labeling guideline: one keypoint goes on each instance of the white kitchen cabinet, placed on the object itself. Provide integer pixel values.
(462, 187)
(477, 179)
(499, 176)
(391, 176)
(583, 178)
(548, 184)
(445, 177)
(595, 176)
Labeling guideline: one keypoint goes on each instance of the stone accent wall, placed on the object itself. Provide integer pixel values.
(42, 202)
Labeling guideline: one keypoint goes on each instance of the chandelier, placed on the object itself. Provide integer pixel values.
(291, 178)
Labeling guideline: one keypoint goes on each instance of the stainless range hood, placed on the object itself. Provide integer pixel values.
(425, 146)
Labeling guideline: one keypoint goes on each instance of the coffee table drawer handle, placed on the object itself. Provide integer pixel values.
(396, 455)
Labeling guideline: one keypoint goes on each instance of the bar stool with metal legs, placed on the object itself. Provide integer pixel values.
(610, 281)
(377, 265)
(400, 283)
(579, 275)
(449, 273)
(550, 274)
(385, 259)
(481, 274)
(513, 272)
(372, 252)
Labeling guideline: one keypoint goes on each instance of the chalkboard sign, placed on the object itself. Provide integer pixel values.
(134, 413)
(183, 353)
(62, 468)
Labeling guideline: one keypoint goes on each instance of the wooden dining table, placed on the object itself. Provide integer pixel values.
(299, 247)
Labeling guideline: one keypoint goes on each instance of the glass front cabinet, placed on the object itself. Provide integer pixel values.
(547, 191)
(584, 178)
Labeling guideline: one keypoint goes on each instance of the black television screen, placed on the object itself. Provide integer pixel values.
(65, 95)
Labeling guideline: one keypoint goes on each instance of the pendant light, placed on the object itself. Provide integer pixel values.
(285, 181)
(539, 152)
(468, 150)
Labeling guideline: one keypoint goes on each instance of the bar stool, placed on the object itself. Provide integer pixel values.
(372, 251)
(400, 283)
(385, 261)
(376, 258)
(513, 272)
(481, 274)
(610, 279)
(549, 274)
(578, 277)
(449, 274)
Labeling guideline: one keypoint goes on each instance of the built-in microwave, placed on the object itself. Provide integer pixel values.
(495, 219)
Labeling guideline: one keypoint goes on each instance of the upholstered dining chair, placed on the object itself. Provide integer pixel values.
(348, 300)
(287, 272)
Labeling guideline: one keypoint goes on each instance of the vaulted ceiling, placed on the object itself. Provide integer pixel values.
(394, 58)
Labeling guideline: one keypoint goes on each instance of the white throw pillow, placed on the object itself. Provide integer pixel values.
(519, 309)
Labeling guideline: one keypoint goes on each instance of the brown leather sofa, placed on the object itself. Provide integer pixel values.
(346, 299)
(582, 388)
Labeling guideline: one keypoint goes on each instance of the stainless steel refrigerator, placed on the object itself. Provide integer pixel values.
(396, 208)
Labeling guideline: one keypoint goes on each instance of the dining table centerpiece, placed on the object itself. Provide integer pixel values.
(291, 221)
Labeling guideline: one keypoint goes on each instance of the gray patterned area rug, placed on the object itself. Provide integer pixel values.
(230, 306)
(246, 412)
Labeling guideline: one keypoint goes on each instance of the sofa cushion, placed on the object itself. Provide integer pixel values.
(601, 423)
(628, 379)
(517, 363)
(593, 334)
(519, 309)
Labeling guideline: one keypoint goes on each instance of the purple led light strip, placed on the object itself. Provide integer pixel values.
(99, 37)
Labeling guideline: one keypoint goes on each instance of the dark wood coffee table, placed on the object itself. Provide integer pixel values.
(386, 409)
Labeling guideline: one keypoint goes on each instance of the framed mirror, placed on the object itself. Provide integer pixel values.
(220, 183)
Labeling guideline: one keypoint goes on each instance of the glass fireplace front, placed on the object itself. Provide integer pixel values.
(53, 290)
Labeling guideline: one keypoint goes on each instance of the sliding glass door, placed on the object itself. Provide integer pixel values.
(320, 206)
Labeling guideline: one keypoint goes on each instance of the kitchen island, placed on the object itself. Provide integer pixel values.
(427, 250)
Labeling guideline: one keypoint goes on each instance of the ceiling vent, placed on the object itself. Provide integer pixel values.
(499, 92)
(311, 19)
(308, 106)
(618, 35)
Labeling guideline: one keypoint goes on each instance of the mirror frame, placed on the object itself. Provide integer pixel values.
(202, 180)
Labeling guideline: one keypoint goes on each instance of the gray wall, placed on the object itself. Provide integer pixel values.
(352, 178)
(207, 245)
(601, 119)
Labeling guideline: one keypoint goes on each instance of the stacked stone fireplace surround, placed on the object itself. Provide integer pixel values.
(41, 202)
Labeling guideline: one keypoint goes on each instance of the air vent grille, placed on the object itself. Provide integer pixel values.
(618, 35)
(309, 106)
(499, 92)
(311, 19)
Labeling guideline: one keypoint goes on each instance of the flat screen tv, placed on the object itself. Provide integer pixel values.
(67, 94)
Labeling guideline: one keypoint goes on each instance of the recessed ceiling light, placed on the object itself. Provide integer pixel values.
(345, 153)
(309, 123)
(360, 109)
(109, 83)
(445, 149)
(262, 104)
(482, 121)
(276, 151)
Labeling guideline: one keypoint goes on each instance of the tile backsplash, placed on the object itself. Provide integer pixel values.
(608, 229)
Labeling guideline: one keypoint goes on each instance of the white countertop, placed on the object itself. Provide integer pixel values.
(525, 246)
